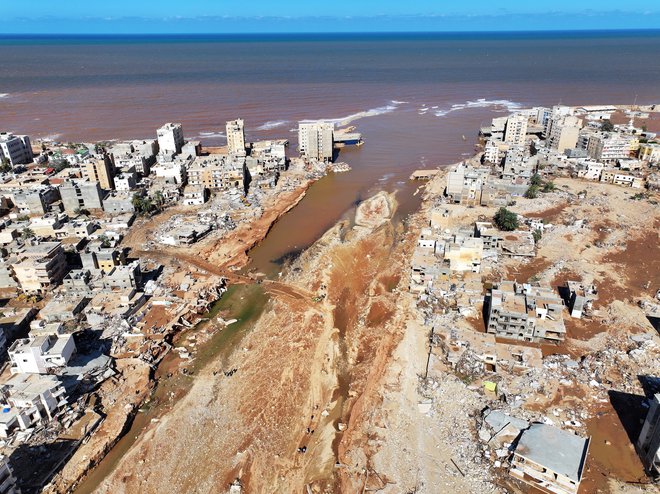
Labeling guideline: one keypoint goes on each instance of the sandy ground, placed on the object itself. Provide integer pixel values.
(327, 396)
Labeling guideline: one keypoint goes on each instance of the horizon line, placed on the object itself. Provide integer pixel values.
(331, 33)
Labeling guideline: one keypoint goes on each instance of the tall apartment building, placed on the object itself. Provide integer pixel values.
(564, 133)
(611, 147)
(81, 195)
(316, 140)
(101, 170)
(525, 312)
(217, 171)
(170, 138)
(236, 137)
(648, 443)
(516, 129)
(16, 149)
(40, 267)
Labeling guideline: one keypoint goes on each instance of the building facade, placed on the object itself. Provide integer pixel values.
(316, 140)
(236, 137)
(170, 138)
(17, 150)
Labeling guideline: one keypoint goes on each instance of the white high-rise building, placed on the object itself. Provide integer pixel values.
(170, 138)
(16, 149)
(516, 129)
(236, 137)
(316, 140)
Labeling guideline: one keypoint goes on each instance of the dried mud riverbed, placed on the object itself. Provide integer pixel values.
(278, 422)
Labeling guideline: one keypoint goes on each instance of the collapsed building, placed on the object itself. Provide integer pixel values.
(525, 312)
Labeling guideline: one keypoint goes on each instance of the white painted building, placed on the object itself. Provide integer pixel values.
(41, 353)
(16, 149)
(170, 138)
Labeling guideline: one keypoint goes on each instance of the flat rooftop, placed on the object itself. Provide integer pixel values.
(560, 451)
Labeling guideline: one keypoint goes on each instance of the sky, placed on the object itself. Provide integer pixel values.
(277, 16)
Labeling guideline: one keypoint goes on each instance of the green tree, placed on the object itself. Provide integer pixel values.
(159, 200)
(506, 220)
(607, 126)
(143, 205)
(536, 179)
(532, 192)
(549, 187)
(27, 233)
(5, 165)
(537, 234)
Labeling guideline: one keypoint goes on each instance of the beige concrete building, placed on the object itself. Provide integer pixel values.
(316, 140)
(40, 267)
(525, 312)
(516, 129)
(649, 152)
(564, 133)
(236, 137)
(217, 171)
(100, 170)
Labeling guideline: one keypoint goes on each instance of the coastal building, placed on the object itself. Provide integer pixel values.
(609, 147)
(464, 184)
(525, 312)
(77, 195)
(515, 131)
(101, 170)
(217, 171)
(170, 138)
(316, 140)
(648, 443)
(17, 150)
(550, 459)
(564, 133)
(236, 137)
(493, 151)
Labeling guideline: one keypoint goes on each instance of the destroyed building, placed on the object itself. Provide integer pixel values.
(525, 312)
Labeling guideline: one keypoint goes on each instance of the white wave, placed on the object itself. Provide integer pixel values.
(4, 95)
(211, 135)
(386, 177)
(498, 104)
(374, 112)
(396, 102)
(51, 137)
(273, 124)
